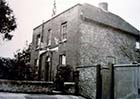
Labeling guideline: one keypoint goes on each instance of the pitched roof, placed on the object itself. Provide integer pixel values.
(96, 14)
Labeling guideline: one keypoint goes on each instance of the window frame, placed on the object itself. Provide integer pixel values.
(137, 43)
(38, 40)
(49, 37)
(36, 62)
(64, 30)
(62, 58)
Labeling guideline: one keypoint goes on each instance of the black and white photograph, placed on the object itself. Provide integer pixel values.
(69, 49)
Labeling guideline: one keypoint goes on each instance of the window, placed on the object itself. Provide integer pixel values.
(137, 45)
(64, 30)
(49, 36)
(63, 59)
(48, 59)
(36, 63)
(38, 40)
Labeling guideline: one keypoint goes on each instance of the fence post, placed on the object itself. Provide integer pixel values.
(111, 95)
(98, 82)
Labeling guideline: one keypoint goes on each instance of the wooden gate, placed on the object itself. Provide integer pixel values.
(127, 81)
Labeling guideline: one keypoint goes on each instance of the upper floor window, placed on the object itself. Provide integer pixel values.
(38, 40)
(49, 37)
(64, 30)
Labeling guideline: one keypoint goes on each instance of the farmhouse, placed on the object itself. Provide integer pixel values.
(82, 35)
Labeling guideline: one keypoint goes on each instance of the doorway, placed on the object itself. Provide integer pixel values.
(47, 65)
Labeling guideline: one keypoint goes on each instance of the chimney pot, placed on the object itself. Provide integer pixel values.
(103, 6)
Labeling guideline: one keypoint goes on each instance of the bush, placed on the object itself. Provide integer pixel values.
(65, 72)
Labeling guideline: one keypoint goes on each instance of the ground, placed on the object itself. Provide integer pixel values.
(4, 95)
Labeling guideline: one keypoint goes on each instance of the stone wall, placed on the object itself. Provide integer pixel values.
(87, 81)
(25, 86)
(98, 42)
(127, 81)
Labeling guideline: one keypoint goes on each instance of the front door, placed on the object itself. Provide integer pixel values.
(47, 65)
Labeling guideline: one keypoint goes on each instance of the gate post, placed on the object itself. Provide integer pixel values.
(98, 82)
(111, 95)
(76, 80)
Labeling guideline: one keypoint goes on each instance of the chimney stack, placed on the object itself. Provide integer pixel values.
(103, 6)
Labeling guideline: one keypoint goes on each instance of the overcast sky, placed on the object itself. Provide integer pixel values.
(31, 13)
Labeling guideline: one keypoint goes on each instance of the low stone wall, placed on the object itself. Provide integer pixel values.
(87, 81)
(25, 86)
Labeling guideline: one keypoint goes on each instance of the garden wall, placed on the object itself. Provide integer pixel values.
(25, 86)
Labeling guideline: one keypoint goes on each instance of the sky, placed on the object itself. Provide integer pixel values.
(31, 13)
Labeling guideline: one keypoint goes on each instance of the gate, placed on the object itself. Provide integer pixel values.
(120, 81)
(127, 81)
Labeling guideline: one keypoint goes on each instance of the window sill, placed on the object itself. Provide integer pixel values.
(137, 50)
(63, 41)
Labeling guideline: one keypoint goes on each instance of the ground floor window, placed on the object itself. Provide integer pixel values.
(36, 63)
(62, 59)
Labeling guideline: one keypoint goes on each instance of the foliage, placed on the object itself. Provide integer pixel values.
(65, 72)
(23, 64)
(7, 20)
(5, 68)
(18, 68)
(14, 69)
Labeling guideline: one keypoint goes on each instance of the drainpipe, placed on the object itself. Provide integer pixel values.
(51, 65)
